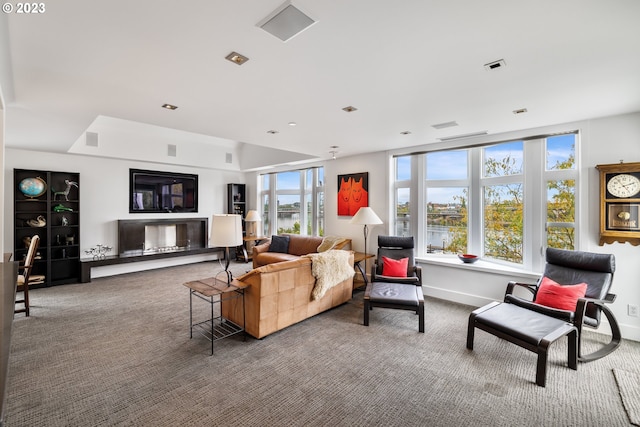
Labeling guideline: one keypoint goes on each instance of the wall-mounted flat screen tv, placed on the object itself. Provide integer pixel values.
(155, 191)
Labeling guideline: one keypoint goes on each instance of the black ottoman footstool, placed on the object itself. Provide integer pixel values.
(526, 328)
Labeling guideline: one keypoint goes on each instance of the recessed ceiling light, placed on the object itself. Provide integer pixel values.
(520, 111)
(406, 132)
(350, 109)
(272, 132)
(445, 125)
(495, 65)
(169, 107)
(292, 124)
(236, 58)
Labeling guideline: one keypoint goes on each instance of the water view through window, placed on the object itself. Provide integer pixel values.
(500, 203)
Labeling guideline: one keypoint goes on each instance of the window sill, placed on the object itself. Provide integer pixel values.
(453, 261)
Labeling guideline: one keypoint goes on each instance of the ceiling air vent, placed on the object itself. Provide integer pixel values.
(91, 139)
(445, 125)
(495, 65)
(286, 22)
(466, 135)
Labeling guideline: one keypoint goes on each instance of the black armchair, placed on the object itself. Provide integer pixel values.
(535, 327)
(571, 267)
(404, 293)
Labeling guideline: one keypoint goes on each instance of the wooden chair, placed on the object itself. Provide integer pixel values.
(25, 278)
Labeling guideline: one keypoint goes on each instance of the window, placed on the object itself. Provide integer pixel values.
(447, 189)
(403, 195)
(299, 202)
(503, 201)
(560, 178)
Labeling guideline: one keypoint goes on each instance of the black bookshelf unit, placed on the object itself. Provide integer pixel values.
(237, 199)
(55, 216)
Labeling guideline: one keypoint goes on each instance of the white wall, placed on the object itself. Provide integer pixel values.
(104, 189)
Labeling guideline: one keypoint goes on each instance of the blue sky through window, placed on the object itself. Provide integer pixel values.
(288, 180)
(447, 165)
(559, 149)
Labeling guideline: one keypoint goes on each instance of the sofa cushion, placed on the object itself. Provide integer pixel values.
(270, 257)
(302, 245)
(331, 242)
(279, 244)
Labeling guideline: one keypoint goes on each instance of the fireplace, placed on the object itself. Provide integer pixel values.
(152, 236)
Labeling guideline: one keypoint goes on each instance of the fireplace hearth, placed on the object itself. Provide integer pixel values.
(138, 237)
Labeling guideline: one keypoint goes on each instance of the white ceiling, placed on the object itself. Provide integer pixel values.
(406, 65)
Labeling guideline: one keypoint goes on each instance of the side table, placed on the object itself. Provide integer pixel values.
(247, 247)
(214, 291)
(358, 257)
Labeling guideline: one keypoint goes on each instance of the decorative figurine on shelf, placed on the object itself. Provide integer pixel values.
(40, 221)
(64, 221)
(70, 239)
(64, 193)
(99, 252)
(61, 208)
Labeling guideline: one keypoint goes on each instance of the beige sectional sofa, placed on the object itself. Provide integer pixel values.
(298, 245)
(278, 295)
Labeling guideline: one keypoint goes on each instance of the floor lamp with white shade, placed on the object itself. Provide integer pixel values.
(226, 232)
(365, 216)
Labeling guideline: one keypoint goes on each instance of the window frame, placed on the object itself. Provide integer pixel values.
(306, 192)
(534, 179)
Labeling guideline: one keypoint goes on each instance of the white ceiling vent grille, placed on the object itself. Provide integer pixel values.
(466, 135)
(286, 22)
(91, 139)
(445, 125)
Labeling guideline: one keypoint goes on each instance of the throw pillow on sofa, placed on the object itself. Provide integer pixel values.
(279, 244)
(330, 242)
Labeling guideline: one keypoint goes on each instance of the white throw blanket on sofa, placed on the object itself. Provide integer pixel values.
(329, 268)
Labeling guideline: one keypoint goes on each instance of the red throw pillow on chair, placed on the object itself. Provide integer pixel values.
(394, 267)
(564, 297)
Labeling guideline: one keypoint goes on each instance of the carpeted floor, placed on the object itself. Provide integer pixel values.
(116, 352)
(629, 385)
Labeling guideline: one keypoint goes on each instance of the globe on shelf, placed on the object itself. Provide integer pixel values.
(33, 187)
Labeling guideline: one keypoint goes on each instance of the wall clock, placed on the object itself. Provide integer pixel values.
(620, 203)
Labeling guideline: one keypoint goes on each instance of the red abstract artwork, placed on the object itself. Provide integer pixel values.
(353, 193)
